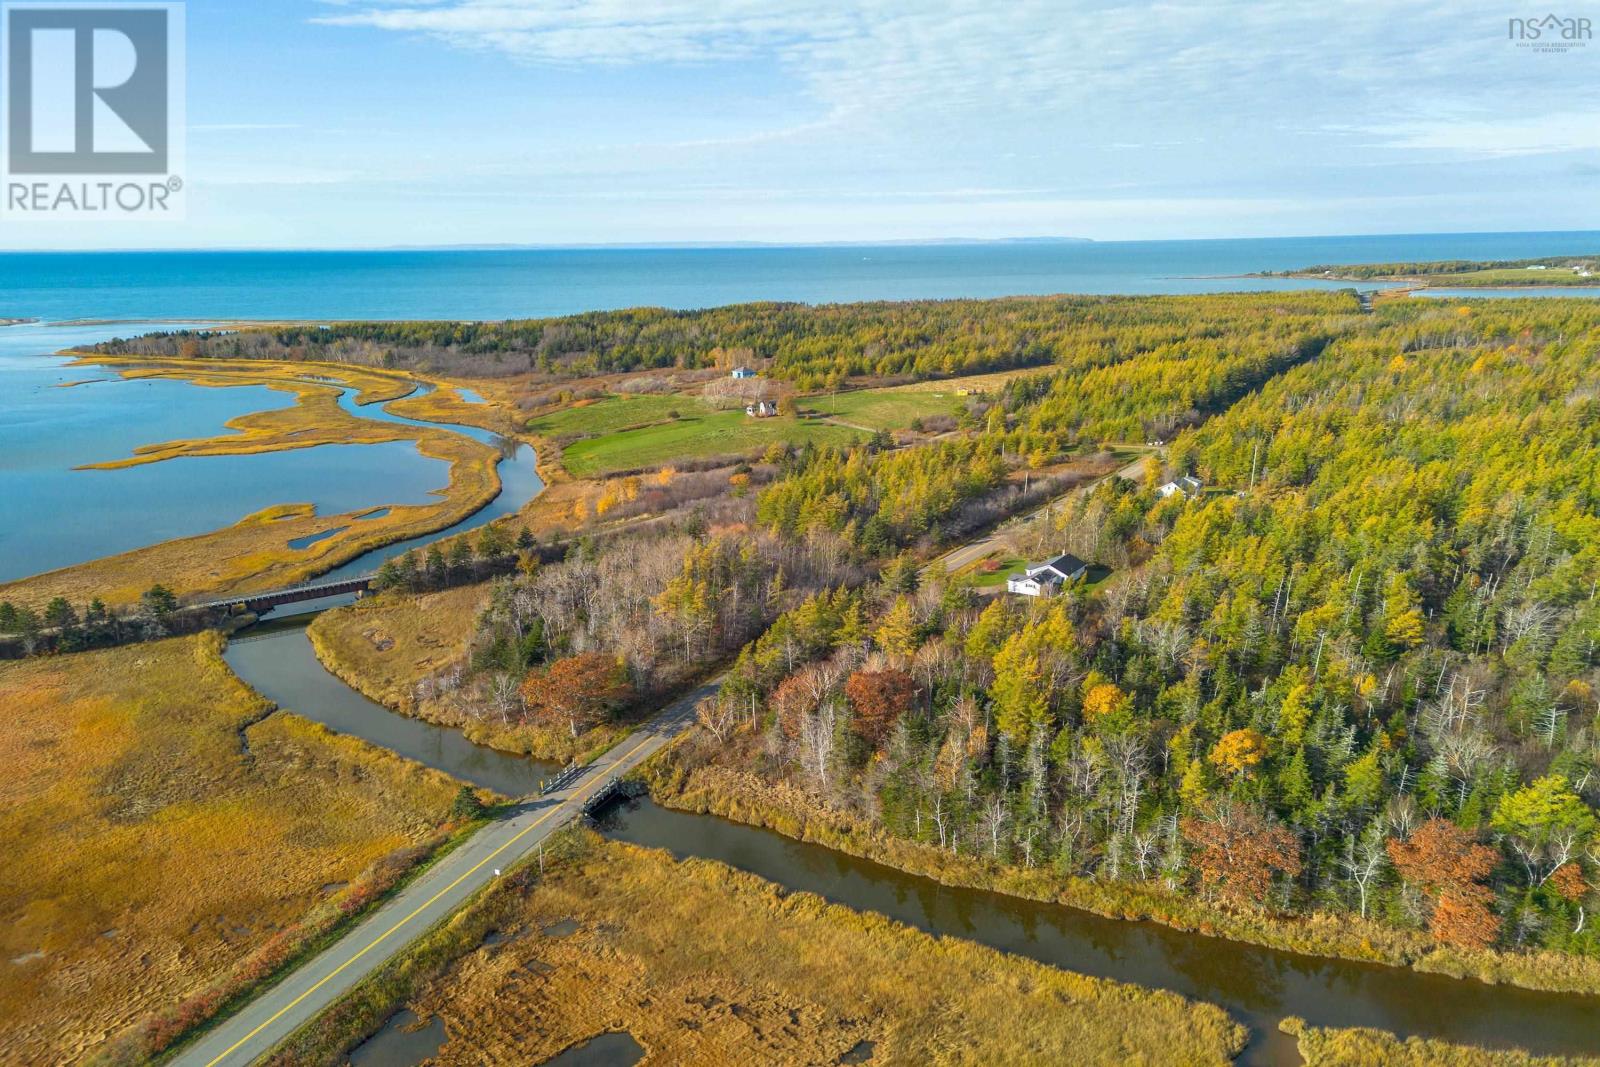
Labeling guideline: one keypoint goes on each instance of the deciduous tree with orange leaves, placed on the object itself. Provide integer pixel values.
(1237, 852)
(1448, 864)
(791, 702)
(879, 699)
(576, 690)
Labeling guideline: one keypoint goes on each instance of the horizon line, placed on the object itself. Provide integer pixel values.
(734, 245)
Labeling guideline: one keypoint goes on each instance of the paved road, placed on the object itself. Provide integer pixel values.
(275, 1014)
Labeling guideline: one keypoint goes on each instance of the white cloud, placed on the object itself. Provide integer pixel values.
(605, 31)
(1276, 56)
(1148, 115)
(1568, 131)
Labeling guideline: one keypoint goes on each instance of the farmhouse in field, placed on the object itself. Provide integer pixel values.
(1188, 485)
(761, 409)
(1047, 578)
(742, 372)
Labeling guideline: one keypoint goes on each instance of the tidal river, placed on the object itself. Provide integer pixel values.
(1259, 986)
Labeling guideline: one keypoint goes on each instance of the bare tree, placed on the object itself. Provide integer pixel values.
(1167, 641)
(939, 817)
(1365, 860)
(1401, 814)
(718, 717)
(1531, 620)
(1026, 838)
(1146, 851)
(995, 817)
(816, 744)
(503, 698)
(1129, 759)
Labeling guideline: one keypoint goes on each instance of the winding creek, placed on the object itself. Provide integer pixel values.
(276, 658)
(519, 481)
(1258, 986)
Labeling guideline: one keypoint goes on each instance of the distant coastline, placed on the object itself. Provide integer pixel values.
(1571, 271)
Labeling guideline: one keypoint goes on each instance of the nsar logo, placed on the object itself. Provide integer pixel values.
(1552, 33)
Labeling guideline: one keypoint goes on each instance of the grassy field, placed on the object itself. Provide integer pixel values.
(163, 837)
(254, 553)
(704, 964)
(1376, 1048)
(713, 434)
(1498, 276)
(884, 409)
(383, 646)
(616, 433)
(594, 418)
(992, 571)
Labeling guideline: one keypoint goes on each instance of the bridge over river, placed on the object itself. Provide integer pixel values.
(266, 599)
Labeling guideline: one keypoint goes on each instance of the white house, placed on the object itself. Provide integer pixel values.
(1047, 578)
(761, 409)
(742, 372)
(1188, 485)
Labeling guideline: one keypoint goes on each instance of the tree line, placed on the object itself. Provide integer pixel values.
(810, 347)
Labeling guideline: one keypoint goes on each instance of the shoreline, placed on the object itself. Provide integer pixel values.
(236, 554)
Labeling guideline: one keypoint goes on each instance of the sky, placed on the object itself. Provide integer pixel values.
(363, 123)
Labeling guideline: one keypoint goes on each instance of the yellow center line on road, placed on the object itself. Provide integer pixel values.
(231, 1049)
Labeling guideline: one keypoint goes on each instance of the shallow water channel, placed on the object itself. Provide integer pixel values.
(277, 660)
(1258, 986)
(56, 418)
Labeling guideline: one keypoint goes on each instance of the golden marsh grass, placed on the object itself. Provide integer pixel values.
(1323, 1047)
(705, 964)
(162, 828)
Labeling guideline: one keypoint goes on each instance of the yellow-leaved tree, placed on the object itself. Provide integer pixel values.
(1238, 752)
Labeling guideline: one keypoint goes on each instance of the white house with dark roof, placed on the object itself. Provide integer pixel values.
(1047, 578)
(1188, 485)
(742, 372)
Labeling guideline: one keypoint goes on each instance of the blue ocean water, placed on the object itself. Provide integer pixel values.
(487, 284)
